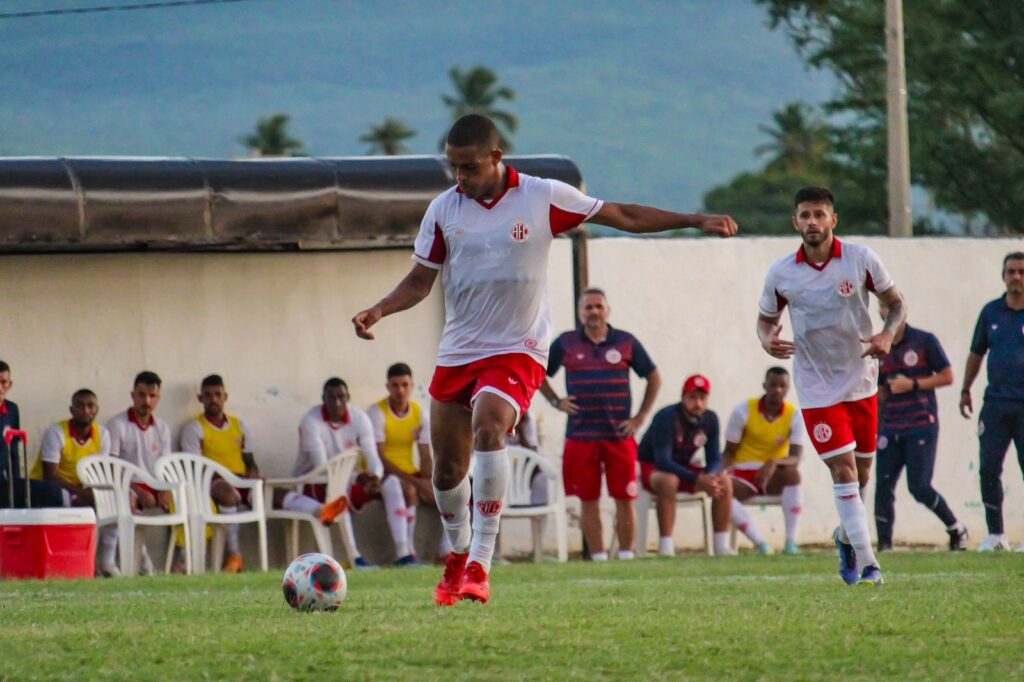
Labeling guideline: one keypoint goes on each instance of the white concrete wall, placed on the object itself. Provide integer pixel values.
(276, 325)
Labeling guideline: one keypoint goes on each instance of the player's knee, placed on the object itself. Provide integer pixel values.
(924, 494)
(391, 486)
(488, 435)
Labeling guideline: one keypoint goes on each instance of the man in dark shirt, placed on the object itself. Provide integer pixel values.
(43, 494)
(600, 431)
(909, 429)
(1000, 333)
(667, 465)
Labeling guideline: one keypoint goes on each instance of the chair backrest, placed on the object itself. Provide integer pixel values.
(525, 464)
(197, 473)
(339, 473)
(97, 470)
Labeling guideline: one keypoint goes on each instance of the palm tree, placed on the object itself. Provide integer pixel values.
(387, 137)
(477, 92)
(271, 138)
(798, 140)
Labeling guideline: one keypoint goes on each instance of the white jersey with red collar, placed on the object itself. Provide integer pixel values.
(320, 439)
(138, 445)
(493, 259)
(828, 307)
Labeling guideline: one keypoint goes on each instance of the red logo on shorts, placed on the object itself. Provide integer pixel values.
(520, 232)
(822, 432)
(489, 507)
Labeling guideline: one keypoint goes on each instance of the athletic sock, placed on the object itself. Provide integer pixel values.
(741, 519)
(234, 547)
(454, 507)
(854, 520)
(666, 547)
(599, 556)
(792, 505)
(410, 528)
(394, 506)
(108, 540)
(298, 502)
(65, 497)
(490, 481)
(722, 544)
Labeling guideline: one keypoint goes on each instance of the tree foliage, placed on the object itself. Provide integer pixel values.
(477, 92)
(389, 137)
(965, 85)
(271, 138)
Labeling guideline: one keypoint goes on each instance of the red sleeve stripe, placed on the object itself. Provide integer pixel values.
(869, 282)
(563, 221)
(780, 301)
(438, 250)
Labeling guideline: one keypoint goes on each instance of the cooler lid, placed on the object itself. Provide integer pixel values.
(75, 516)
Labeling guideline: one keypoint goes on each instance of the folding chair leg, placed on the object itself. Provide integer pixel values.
(169, 562)
(126, 548)
(348, 542)
(199, 547)
(189, 540)
(643, 508)
(293, 537)
(709, 541)
(322, 534)
(562, 535)
(217, 546)
(537, 530)
(262, 525)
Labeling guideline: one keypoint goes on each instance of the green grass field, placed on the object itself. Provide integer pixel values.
(938, 616)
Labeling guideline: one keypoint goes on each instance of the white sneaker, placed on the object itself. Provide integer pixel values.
(994, 543)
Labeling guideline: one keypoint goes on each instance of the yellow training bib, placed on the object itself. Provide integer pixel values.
(762, 439)
(224, 446)
(70, 454)
(401, 435)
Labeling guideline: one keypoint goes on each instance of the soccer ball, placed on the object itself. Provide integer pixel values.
(314, 582)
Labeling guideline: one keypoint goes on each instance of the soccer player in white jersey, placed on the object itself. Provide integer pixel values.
(489, 238)
(826, 286)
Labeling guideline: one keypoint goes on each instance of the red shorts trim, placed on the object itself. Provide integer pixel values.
(584, 461)
(513, 376)
(648, 468)
(747, 477)
(841, 428)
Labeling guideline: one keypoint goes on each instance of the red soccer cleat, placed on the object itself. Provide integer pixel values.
(449, 590)
(333, 510)
(476, 585)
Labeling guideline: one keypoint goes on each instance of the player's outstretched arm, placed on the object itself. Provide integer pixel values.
(411, 290)
(880, 344)
(640, 219)
(768, 330)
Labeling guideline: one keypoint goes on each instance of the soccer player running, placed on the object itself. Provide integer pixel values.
(826, 285)
(489, 237)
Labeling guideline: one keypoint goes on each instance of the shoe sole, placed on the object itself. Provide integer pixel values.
(446, 599)
(872, 583)
(480, 597)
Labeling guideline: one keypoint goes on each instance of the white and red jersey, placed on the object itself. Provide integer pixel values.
(493, 258)
(140, 445)
(828, 307)
(321, 439)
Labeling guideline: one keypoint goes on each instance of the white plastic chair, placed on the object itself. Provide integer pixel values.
(110, 479)
(336, 473)
(645, 505)
(755, 501)
(524, 463)
(197, 474)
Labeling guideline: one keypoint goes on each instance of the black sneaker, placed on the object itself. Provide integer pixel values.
(958, 540)
(884, 547)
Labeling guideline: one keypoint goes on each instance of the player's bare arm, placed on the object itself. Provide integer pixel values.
(880, 344)
(970, 374)
(566, 404)
(632, 425)
(639, 219)
(729, 455)
(769, 331)
(411, 290)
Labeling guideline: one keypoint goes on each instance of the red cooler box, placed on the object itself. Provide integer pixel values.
(47, 543)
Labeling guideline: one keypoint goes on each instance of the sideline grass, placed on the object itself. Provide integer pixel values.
(938, 616)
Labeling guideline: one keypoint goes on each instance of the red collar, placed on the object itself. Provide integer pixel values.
(3, 407)
(511, 181)
(134, 420)
(760, 409)
(345, 418)
(220, 424)
(837, 252)
(81, 437)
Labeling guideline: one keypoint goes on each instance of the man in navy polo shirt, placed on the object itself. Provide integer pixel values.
(667, 465)
(599, 434)
(1000, 333)
(44, 494)
(909, 430)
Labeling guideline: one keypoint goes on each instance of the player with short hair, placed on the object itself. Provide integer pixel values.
(763, 443)
(826, 286)
(489, 238)
(1000, 333)
(226, 440)
(668, 467)
(401, 428)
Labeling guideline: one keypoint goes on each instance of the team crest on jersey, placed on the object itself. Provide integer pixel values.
(822, 432)
(700, 439)
(489, 507)
(530, 343)
(613, 357)
(846, 288)
(520, 232)
(910, 358)
(883, 442)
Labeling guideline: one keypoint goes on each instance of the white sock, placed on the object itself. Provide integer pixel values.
(108, 541)
(490, 481)
(792, 505)
(394, 505)
(722, 544)
(233, 545)
(599, 556)
(65, 496)
(454, 507)
(410, 528)
(298, 502)
(626, 555)
(741, 519)
(854, 521)
(666, 547)
(444, 545)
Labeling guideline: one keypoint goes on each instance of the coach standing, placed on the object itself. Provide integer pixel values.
(1000, 333)
(599, 434)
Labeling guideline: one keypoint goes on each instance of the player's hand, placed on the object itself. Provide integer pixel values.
(879, 345)
(630, 426)
(722, 225)
(966, 405)
(425, 491)
(568, 405)
(900, 383)
(370, 482)
(778, 347)
(366, 319)
(710, 484)
(144, 499)
(764, 474)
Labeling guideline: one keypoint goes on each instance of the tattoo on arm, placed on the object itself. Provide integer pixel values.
(897, 316)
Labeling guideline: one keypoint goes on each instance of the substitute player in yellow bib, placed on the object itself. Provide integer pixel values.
(224, 439)
(763, 442)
